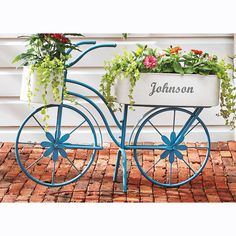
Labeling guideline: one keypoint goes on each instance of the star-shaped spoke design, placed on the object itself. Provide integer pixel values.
(55, 147)
(173, 148)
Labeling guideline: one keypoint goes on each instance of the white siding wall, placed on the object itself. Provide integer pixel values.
(90, 70)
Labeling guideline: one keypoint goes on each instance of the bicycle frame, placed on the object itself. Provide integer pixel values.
(167, 146)
(121, 125)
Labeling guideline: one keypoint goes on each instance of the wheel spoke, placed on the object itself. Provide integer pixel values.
(153, 165)
(35, 162)
(39, 123)
(155, 128)
(174, 120)
(197, 147)
(189, 166)
(58, 123)
(192, 129)
(29, 143)
(188, 123)
(53, 172)
(170, 178)
(81, 146)
(77, 127)
(73, 165)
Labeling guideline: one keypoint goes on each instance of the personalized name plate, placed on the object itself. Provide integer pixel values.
(171, 90)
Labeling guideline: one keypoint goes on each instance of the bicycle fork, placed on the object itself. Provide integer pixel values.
(122, 152)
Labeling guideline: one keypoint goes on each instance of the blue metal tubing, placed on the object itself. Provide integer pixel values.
(100, 112)
(124, 168)
(148, 147)
(81, 146)
(99, 129)
(59, 117)
(193, 116)
(88, 50)
(146, 114)
(123, 128)
(189, 122)
(122, 148)
(99, 95)
(58, 125)
(80, 43)
(122, 153)
(117, 165)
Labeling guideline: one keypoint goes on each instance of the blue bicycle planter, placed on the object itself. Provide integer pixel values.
(59, 166)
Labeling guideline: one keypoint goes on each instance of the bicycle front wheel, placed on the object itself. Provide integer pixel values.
(60, 154)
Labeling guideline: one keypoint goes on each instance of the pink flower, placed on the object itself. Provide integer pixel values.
(150, 62)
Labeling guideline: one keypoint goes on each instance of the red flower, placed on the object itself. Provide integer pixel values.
(197, 52)
(150, 62)
(59, 37)
(65, 40)
(175, 50)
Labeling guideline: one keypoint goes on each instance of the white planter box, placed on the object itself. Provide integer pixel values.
(33, 84)
(167, 89)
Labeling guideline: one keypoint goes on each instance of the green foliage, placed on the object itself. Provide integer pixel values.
(119, 68)
(172, 60)
(228, 94)
(40, 46)
(125, 35)
(46, 55)
(49, 72)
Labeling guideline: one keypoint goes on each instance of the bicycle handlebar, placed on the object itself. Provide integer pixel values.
(88, 50)
(80, 43)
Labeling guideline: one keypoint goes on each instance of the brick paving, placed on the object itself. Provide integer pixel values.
(217, 183)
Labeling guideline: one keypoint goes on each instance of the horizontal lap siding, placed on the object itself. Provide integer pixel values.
(90, 70)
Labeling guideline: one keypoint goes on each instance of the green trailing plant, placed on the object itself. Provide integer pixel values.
(125, 35)
(171, 60)
(46, 55)
(49, 72)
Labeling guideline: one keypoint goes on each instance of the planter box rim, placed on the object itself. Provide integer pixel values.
(170, 89)
(175, 74)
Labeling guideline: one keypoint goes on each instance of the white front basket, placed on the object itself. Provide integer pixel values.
(37, 98)
(166, 89)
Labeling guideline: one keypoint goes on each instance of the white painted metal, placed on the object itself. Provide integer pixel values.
(170, 90)
(30, 83)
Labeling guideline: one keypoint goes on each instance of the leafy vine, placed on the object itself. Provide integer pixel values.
(172, 60)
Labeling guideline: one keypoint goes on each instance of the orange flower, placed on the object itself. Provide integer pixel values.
(175, 50)
(197, 52)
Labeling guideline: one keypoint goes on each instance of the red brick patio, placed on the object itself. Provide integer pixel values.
(216, 184)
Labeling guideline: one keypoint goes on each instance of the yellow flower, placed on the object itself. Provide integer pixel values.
(139, 51)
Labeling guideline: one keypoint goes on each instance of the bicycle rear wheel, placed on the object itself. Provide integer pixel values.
(178, 160)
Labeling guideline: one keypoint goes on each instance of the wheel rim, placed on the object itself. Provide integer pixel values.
(56, 162)
(174, 165)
